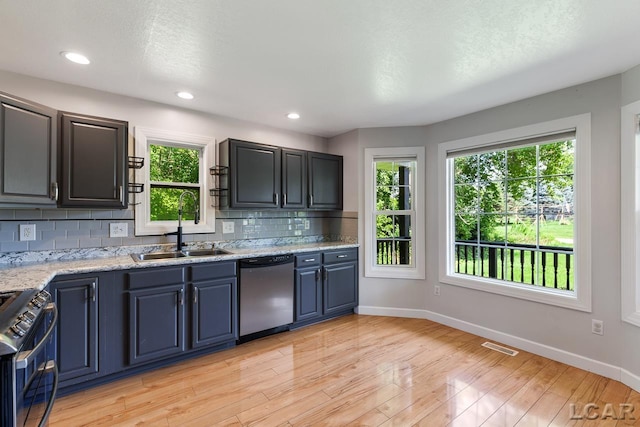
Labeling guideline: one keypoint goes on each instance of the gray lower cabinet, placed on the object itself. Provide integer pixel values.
(326, 284)
(214, 304)
(76, 336)
(28, 147)
(170, 307)
(156, 318)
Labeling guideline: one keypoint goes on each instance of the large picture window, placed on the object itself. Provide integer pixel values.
(173, 163)
(515, 206)
(395, 212)
(513, 213)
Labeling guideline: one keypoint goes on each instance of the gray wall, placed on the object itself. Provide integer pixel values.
(560, 328)
(68, 228)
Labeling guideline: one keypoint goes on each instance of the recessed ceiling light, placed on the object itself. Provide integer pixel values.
(184, 95)
(293, 116)
(78, 58)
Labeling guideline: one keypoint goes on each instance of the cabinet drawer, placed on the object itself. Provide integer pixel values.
(213, 270)
(155, 277)
(307, 260)
(340, 256)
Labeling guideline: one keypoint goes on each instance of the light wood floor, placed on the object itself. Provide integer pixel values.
(355, 371)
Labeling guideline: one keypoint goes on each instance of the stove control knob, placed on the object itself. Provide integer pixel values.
(18, 329)
(29, 316)
(26, 318)
(37, 302)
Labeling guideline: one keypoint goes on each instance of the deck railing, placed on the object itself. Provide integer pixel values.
(393, 251)
(548, 266)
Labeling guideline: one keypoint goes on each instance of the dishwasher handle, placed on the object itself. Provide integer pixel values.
(267, 261)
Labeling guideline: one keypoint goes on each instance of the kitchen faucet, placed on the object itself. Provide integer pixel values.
(196, 218)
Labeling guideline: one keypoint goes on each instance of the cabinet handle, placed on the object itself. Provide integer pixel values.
(284, 199)
(181, 297)
(342, 256)
(317, 275)
(54, 191)
(121, 194)
(195, 294)
(310, 199)
(275, 196)
(93, 292)
(309, 260)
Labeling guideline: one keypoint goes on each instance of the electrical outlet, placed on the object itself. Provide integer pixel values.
(27, 232)
(597, 327)
(228, 227)
(307, 224)
(436, 290)
(118, 229)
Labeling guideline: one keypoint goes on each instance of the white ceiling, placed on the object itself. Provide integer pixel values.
(342, 64)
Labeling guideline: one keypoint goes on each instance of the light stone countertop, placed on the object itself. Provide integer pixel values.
(37, 275)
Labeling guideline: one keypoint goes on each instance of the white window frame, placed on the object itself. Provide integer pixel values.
(144, 138)
(630, 212)
(580, 298)
(417, 269)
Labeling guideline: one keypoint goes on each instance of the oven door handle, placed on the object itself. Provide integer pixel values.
(46, 368)
(50, 366)
(26, 357)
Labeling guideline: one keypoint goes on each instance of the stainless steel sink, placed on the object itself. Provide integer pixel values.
(205, 252)
(154, 256)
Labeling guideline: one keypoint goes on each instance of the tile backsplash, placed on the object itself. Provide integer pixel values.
(73, 228)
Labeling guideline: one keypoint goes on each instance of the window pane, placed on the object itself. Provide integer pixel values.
(491, 166)
(466, 227)
(465, 169)
(557, 158)
(394, 242)
(393, 185)
(491, 196)
(466, 198)
(522, 197)
(492, 229)
(172, 164)
(164, 204)
(521, 162)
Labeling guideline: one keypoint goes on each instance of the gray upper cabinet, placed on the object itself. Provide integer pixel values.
(294, 179)
(264, 176)
(325, 181)
(254, 174)
(93, 170)
(28, 141)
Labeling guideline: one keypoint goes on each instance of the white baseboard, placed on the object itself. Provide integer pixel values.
(630, 379)
(591, 365)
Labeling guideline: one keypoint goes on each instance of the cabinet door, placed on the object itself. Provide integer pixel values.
(28, 138)
(308, 293)
(156, 319)
(340, 287)
(325, 181)
(76, 338)
(94, 153)
(294, 179)
(254, 173)
(214, 314)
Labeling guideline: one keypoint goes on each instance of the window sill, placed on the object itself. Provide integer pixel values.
(411, 273)
(550, 296)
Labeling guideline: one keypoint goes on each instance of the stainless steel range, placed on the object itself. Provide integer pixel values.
(28, 372)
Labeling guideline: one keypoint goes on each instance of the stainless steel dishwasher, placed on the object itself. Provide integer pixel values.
(266, 295)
